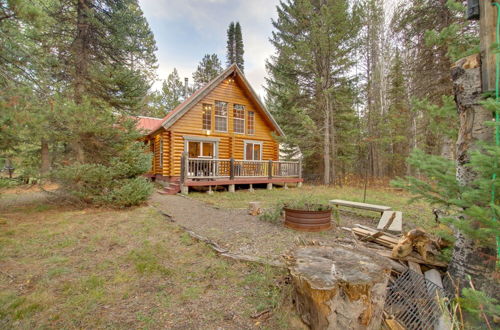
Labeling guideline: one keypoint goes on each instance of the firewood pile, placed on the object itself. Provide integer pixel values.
(415, 277)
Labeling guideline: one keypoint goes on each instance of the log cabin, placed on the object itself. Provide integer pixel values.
(222, 135)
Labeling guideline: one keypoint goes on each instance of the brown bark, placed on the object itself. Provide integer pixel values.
(469, 258)
(339, 288)
(45, 157)
(326, 145)
(81, 55)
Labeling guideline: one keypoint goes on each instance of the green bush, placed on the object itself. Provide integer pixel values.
(131, 192)
(113, 160)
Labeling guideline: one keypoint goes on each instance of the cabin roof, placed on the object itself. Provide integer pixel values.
(151, 125)
(148, 124)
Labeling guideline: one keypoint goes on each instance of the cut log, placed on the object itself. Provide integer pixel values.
(338, 287)
(415, 267)
(254, 208)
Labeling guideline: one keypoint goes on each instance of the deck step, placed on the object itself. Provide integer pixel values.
(173, 188)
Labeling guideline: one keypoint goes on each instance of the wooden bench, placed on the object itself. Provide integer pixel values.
(363, 206)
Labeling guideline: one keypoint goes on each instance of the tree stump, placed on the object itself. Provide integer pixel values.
(254, 208)
(339, 288)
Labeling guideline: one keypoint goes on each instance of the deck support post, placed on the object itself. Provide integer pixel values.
(285, 186)
(210, 191)
(231, 169)
(251, 188)
(231, 188)
(299, 184)
(184, 190)
(269, 186)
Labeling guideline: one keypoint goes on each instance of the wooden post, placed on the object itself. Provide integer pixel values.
(270, 169)
(300, 172)
(487, 32)
(183, 168)
(231, 169)
(184, 173)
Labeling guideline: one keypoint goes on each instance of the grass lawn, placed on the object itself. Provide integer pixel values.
(97, 268)
(415, 214)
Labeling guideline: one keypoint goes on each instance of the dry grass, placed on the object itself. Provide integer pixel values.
(415, 214)
(97, 268)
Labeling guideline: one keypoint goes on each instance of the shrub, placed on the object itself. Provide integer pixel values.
(131, 192)
(111, 158)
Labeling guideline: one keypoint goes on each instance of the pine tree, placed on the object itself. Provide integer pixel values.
(238, 49)
(231, 46)
(310, 75)
(398, 119)
(172, 91)
(208, 68)
(79, 67)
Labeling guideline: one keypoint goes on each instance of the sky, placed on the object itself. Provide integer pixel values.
(185, 30)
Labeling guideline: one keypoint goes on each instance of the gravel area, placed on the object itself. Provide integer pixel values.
(241, 233)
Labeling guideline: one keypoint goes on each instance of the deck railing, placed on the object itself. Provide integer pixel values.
(206, 168)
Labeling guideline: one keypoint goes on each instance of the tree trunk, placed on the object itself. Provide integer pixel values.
(45, 158)
(468, 257)
(81, 49)
(326, 146)
(333, 145)
(81, 56)
(339, 288)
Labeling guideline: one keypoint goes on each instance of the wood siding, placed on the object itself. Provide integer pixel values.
(230, 144)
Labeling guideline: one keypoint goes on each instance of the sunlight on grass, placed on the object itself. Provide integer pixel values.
(78, 268)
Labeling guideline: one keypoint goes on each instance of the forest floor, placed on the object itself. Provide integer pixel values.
(62, 267)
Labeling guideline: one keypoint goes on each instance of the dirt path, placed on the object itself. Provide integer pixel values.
(240, 233)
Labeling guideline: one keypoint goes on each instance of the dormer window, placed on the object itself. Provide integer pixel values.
(239, 118)
(221, 116)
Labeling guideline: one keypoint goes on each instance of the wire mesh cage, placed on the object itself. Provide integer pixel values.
(413, 301)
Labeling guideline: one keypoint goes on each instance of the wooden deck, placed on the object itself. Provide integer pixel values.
(199, 172)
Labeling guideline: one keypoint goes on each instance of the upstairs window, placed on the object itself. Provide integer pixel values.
(251, 123)
(207, 116)
(239, 118)
(221, 116)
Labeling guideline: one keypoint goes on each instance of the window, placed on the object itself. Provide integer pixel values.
(221, 116)
(198, 149)
(239, 118)
(251, 123)
(253, 150)
(207, 116)
(161, 152)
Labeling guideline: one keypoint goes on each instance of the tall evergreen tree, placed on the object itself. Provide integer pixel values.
(172, 91)
(311, 72)
(235, 51)
(398, 120)
(85, 63)
(208, 68)
(231, 47)
(238, 47)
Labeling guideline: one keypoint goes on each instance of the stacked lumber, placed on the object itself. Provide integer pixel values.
(391, 242)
